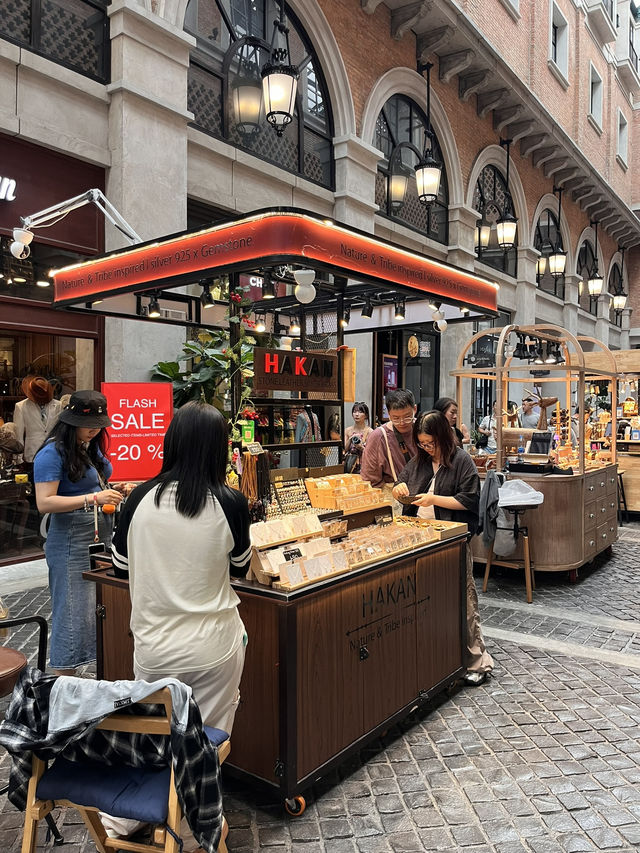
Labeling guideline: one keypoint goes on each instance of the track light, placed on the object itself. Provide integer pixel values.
(154, 307)
(346, 316)
(551, 356)
(464, 310)
(538, 357)
(268, 287)
(305, 291)
(206, 298)
(400, 308)
(521, 350)
(367, 309)
(43, 282)
(294, 326)
(19, 250)
(441, 325)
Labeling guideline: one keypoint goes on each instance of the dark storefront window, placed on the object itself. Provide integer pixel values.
(222, 58)
(483, 391)
(74, 33)
(402, 120)
(547, 239)
(490, 200)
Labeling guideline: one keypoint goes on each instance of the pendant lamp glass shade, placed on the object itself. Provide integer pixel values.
(398, 182)
(541, 267)
(595, 283)
(506, 227)
(428, 173)
(279, 86)
(247, 104)
(557, 262)
(619, 301)
(483, 233)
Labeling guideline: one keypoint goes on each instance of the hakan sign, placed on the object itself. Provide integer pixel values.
(288, 370)
(140, 414)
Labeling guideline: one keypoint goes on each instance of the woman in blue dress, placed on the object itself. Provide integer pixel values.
(71, 473)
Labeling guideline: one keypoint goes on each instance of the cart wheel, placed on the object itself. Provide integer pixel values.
(573, 575)
(295, 806)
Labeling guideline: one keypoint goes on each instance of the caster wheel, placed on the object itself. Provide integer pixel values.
(295, 806)
(573, 576)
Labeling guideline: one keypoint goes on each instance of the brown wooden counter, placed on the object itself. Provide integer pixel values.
(330, 665)
(577, 520)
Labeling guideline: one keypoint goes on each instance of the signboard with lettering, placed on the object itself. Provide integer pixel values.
(288, 370)
(140, 413)
(267, 238)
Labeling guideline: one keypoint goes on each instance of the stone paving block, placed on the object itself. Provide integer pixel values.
(605, 839)
(466, 836)
(436, 839)
(571, 843)
(499, 831)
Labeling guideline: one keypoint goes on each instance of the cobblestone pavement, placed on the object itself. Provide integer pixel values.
(543, 758)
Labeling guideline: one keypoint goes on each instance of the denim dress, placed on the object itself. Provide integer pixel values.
(73, 599)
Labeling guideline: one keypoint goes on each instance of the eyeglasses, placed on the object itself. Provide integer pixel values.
(427, 445)
(407, 420)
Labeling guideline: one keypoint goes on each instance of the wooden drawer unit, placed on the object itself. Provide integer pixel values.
(606, 535)
(590, 544)
(590, 519)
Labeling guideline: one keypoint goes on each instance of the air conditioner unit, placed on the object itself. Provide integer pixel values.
(173, 314)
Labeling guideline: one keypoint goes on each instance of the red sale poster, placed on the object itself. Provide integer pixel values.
(140, 413)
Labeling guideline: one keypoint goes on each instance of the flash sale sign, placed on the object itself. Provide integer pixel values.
(140, 414)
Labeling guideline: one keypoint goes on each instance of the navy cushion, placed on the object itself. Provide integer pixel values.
(140, 793)
(216, 736)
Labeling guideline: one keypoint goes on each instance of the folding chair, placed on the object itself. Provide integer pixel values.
(146, 794)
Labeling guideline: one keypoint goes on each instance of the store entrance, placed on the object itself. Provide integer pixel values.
(407, 358)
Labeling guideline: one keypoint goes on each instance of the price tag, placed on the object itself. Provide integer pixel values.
(255, 448)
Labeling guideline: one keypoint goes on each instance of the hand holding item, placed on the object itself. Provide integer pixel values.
(424, 500)
(108, 496)
(400, 491)
(125, 489)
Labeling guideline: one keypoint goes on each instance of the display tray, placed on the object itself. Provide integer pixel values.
(530, 467)
(441, 529)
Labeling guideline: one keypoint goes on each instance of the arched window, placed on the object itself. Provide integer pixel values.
(402, 120)
(616, 286)
(232, 46)
(490, 200)
(547, 238)
(74, 33)
(586, 261)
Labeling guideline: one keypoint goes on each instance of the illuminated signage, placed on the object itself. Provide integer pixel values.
(286, 370)
(7, 189)
(259, 240)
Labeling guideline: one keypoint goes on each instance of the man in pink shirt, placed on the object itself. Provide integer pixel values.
(390, 446)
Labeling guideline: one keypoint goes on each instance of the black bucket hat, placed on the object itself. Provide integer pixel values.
(86, 409)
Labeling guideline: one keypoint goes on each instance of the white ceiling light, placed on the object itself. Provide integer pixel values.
(305, 291)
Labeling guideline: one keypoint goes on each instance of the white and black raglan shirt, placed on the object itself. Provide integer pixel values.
(184, 612)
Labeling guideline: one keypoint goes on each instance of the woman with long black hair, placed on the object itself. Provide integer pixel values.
(445, 481)
(70, 472)
(180, 536)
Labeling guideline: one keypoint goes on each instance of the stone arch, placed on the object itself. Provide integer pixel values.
(405, 81)
(494, 155)
(616, 258)
(550, 201)
(327, 51)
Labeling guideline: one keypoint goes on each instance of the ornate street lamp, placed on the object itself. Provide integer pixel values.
(279, 79)
(558, 258)
(596, 281)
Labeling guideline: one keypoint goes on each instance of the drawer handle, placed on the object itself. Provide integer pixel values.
(612, 505)
(604, 509)
(591, 543)
(602, 485)
(604, 535)
(591, 488)
(592, 515)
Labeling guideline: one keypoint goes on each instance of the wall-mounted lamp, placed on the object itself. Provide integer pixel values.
(596, 282)
(619, 301)
(279, 78)
(346, 316)
(427, 170)
(558, 258)
(507, 225)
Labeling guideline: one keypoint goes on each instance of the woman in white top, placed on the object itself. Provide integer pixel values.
(181, 536)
